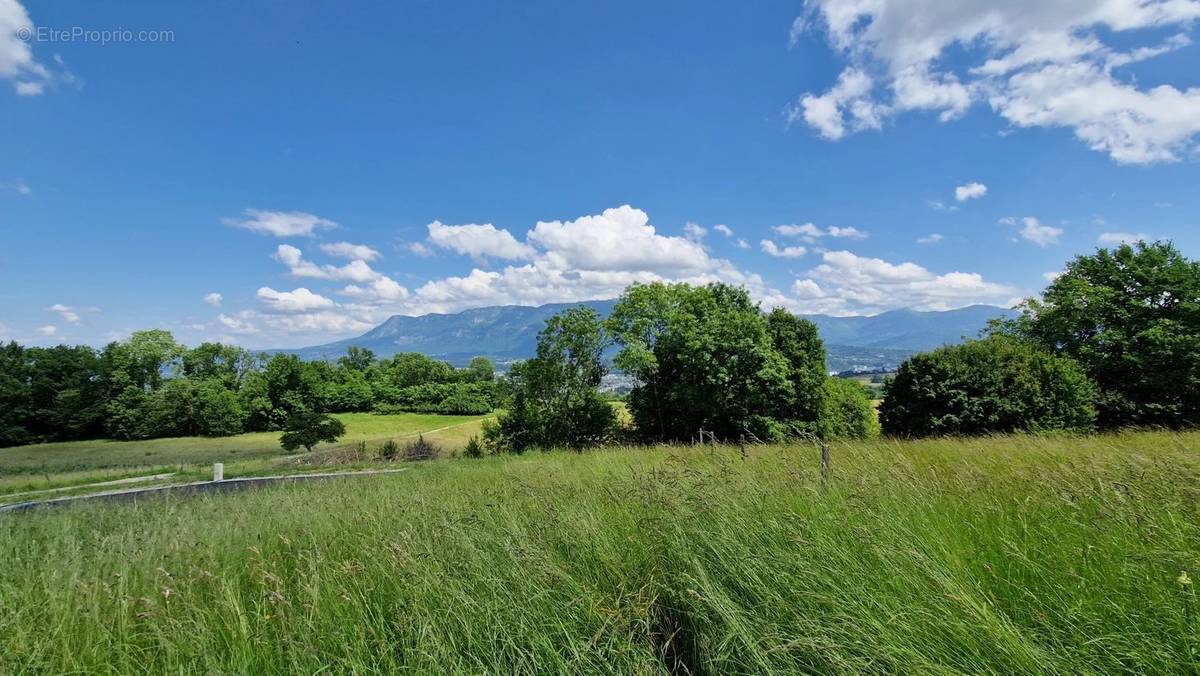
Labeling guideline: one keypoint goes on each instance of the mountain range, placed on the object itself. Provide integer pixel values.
(509, 332)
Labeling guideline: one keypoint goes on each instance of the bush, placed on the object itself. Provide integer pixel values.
(998, 384)
(389, 449)
(420, 449)
(474, 448)
(847, 411)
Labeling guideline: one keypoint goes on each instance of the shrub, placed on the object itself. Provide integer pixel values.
(998, 384)
(420, 449)
(847, 411)
(389, 449)
(474, 448)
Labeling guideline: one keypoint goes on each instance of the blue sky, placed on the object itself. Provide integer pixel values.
(278, 174)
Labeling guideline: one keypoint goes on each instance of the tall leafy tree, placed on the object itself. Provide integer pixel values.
(15, 403)
(553, 398)
(704, 359)
(1131, 317)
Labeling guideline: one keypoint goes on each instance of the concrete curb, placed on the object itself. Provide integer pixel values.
(198, 487)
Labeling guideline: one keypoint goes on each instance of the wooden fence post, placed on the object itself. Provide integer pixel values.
(824, 461)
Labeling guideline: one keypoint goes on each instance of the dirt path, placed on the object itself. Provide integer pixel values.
(98, 484)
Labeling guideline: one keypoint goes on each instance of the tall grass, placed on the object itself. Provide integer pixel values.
(1005, 555)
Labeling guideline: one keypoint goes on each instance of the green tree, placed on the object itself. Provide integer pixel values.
(553, 400)
(308, 429)
(227, 363)
(704, 359)
(285, 387)
(847, 411)
(480, 370)
(413, 368)
(998, 384)
(357, 359)
(1131, 317)
(798, 341)
(66, 391)
(15, 404)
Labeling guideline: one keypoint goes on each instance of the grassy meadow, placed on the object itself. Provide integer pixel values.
(1005, 555)
(70, 463)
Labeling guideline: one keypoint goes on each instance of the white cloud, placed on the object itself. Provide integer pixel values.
(694, 231)
(1116, 238)
(1042, 235)
(381, 291)
(67, 313)
(743, 244)
(280, 223)
(293, 258)
(811, 233)
(938, 205)
(846, 233)
(723, 229)
(419, 249)
(17, 62)
(214, 299)
(772, 249)
(296, 300)
(845, 283)
(620, 240)
(932, 238)
(22, 188)
(354, 252)
(47, 330)
(807, 231)
(241, 324)
(847, 106)
(478, 241)
(1035, 63)
(970, 191)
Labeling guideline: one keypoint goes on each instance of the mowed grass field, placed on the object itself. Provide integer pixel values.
(41, 466)
(1004, 555)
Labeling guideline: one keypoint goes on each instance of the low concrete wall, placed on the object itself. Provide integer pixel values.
(134, 494)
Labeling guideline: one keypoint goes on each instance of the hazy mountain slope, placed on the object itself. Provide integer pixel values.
(509, 332)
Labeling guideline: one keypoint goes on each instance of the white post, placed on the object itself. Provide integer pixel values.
(218, 471)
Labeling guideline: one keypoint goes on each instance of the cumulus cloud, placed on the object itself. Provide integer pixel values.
(17, 62)
(1036, 64)
(845, 283)
(293, 258)
(723, 229)
(970, 191)
(296, 300)
(1033, 230)
(214, 299)
(478, 241)
(354, 252)
(694, 231)
(1117, 238)
(772, 249)
(67, 313)
(280, 223)
(47, 330)
(811, 233)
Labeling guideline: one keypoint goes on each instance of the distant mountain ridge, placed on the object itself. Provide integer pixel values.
(509, 332)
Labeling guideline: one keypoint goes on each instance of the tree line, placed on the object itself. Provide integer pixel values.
(150, 386)
(704, 357)
(1113, 342)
